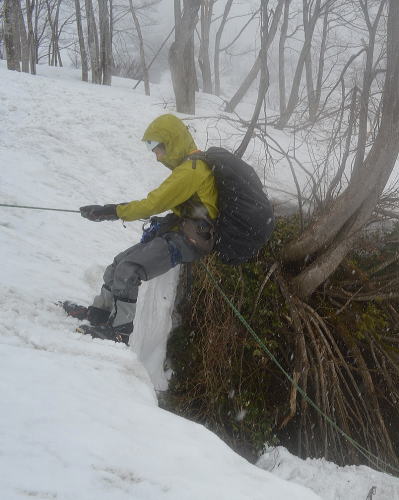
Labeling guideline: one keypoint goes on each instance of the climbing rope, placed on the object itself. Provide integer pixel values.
(373, 459)
(55, 210)
(39, 208)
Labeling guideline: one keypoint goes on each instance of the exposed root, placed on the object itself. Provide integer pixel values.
(345, 357)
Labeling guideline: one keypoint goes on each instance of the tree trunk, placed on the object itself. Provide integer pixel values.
(111, 25)
(313, 110)
(281, 57)
(92, 39)
(349, 133)
(2, 54)
(204, 60)
(82, 46)
(36, 37)
(244, 87)
(23, 38)
(366, 88)
(253, 73)
(105, 43)
(30, 5)
(181, 56)
(54, 57)
(308, 58)
(39, 31)
(307, 45)
(57, 52)
(216, 62)
(335, 232)
(11, 35)
(144, 68)
(263, 83)
(51, 43)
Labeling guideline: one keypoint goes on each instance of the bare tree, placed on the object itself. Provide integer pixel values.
(254, 71)
(92, 39)
(310, 19)
(264, 76)
(368, 77)
(11, 35)
(105, 43)
(82, 45)
(18, 41)
(40, 23)
(204, 59)
(144, 68)
(53, 16)
(111, 19)
(314, 95)
(216, 62)
(23, 36)
(181, 55)
(333, 234)
(2, 55)
(30, 5)
(281, 58)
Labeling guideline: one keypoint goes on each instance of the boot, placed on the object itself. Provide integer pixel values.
(108, 332)
(95, 315)
(119, 326)
(74, 310)
(99, 312)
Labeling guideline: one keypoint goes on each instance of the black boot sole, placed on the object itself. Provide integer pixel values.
(115, 336)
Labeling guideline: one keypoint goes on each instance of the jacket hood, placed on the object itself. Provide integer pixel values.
(174, 134)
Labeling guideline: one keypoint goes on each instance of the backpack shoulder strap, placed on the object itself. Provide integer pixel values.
(212, 156)
(196, 155)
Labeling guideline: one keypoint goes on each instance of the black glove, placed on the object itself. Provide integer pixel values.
(98, 213)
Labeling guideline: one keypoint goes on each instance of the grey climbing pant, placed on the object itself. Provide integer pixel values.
(141, 262)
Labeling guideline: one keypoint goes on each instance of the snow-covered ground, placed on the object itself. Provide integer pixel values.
(79, 417)
(328, 480)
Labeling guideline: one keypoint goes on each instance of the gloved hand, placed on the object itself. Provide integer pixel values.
(98, 213)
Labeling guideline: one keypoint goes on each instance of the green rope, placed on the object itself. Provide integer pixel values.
(376, 461)
(39, 208)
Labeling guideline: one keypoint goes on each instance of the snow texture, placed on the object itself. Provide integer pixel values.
(327, 479)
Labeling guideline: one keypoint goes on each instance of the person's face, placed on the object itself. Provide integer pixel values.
(159, 152)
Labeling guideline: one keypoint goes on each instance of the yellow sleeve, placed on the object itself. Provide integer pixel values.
(176, 189)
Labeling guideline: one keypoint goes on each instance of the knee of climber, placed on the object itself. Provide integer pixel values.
(127, 279)
(108, 275)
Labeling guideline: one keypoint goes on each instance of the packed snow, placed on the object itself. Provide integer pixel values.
(79, 417)
(328, 480)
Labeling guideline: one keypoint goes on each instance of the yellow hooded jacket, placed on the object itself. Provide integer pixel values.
(190, 189)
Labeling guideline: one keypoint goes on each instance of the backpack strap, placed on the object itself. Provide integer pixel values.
(196, 155)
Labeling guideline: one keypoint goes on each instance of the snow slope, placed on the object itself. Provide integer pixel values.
(329, 480)
(79, 417)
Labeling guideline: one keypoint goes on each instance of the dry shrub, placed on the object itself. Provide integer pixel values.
(342, 348)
